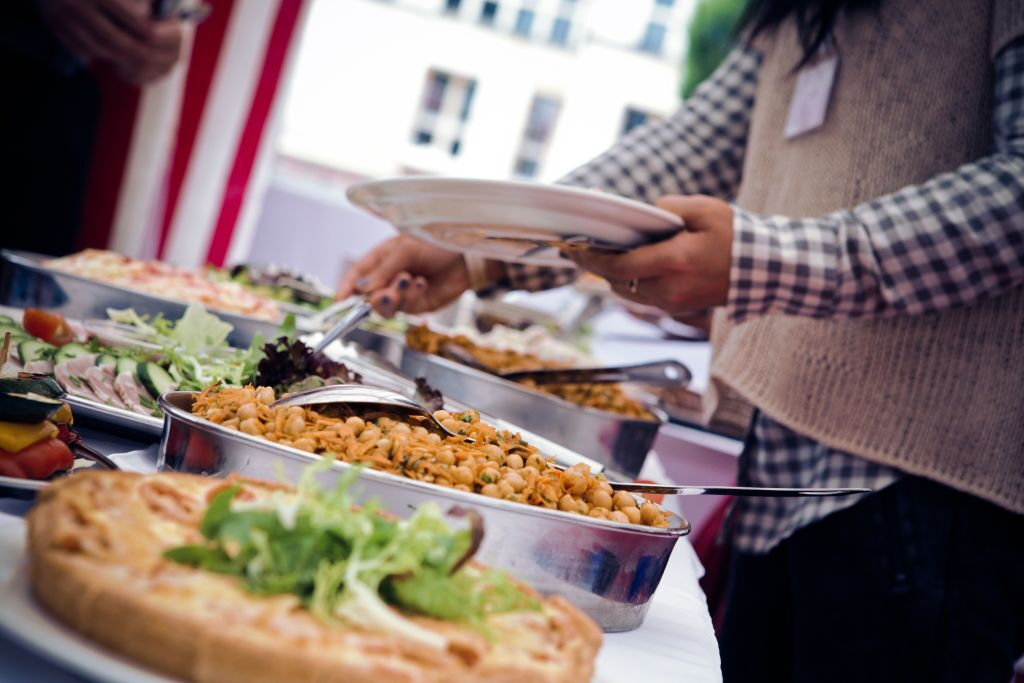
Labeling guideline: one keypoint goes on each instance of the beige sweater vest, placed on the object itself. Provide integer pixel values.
(939, 395)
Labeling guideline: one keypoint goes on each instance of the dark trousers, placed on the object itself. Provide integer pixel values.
(917, 582)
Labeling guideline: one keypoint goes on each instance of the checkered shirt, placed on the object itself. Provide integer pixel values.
(952, 240)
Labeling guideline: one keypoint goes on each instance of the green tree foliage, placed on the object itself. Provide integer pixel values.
(711, 38)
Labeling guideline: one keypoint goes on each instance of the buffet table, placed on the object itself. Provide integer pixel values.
(676, 642)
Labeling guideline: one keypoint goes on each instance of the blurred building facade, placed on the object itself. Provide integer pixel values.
(483, 88)
(524, 89)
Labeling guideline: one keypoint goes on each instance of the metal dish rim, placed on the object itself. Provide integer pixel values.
(173, 411)
(660, 416)
(33, 261)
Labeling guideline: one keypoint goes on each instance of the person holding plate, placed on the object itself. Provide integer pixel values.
(851, 179)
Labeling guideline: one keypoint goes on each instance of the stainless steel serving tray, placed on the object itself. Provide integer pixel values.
(25, 281)
(608, 569)
(620, 443)
(88, 411)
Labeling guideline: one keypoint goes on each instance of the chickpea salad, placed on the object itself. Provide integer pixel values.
(608, 397)
(481, 459)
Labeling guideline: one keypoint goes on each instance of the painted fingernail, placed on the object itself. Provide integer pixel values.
(385, 301)
(420, 284)
(403, 283)
(362, 283)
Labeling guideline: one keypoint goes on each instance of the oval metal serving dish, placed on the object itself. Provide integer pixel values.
(618, 442)
(25, 281)
(608, 569)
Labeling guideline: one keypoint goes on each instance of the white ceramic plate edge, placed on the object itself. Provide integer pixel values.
(26, 623)
(353, 192)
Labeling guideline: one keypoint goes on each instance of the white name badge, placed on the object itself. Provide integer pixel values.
(813, 90)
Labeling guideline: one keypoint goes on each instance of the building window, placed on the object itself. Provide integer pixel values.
(653, 38)
(524, 22)
(526, 168)
(452, 6)
(488, 13)
(560, 31)
(444, 111)
(632, 119)
(539, 125)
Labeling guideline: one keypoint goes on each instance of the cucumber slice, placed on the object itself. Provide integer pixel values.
(17, 332)
(155, 379)
(8, 320)
(69, 351)
(32, 349)
(126, 365)
(105, 360)
(27, 407)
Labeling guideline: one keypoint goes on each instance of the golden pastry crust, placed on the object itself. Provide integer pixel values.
(95, 545)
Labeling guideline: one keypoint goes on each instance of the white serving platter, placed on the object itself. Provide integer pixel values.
(508, 220)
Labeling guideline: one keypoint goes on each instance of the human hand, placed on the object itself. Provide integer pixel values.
(407, 274)
(120, 32)
(161, 54)
(685, 273)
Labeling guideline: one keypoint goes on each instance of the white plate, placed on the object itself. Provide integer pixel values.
(30, 626)
(510, 220)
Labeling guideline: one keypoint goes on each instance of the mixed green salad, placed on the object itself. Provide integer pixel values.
(353, 563)
(129, 360)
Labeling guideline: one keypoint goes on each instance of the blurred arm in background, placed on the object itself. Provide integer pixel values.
(48, 49)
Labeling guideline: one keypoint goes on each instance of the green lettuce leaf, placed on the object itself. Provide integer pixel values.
(347, 562)
(199, 332)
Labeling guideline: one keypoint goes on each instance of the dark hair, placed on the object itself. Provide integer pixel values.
(814, 19)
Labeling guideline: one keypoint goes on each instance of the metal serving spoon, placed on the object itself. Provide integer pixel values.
(363, 395)
(666, 373)
(733, 490)
(359, 394)
(746, 491)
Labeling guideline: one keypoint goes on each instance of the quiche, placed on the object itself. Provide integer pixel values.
(110, 556)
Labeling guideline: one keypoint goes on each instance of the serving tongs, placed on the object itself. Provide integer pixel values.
(302, 286)
(359, 311)
(82, 450)
(666, 373)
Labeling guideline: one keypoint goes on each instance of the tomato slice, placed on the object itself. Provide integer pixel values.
(9, 468)
(50, 327)
(38, 461)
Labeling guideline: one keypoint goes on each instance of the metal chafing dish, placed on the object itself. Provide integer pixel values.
(25, 282)
(620, 443)
(609, 570)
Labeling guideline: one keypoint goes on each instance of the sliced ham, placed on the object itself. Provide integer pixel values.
(70, 375)
(101, 381)
(130, 391)
(40, 367)
(78, 330)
